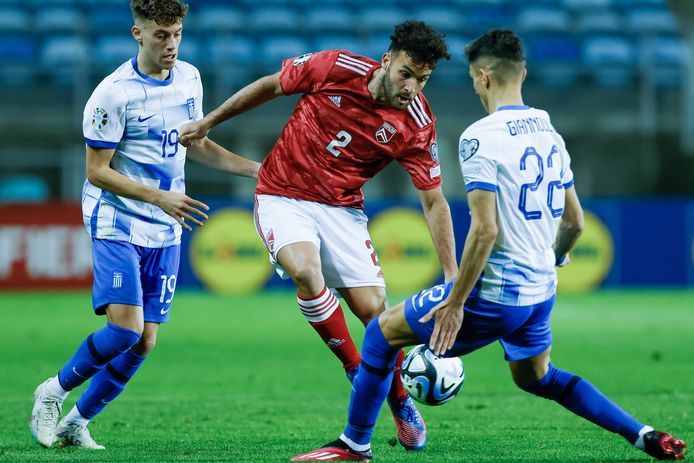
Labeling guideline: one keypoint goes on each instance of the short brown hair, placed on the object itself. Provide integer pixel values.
(163, 12)
(420, 41)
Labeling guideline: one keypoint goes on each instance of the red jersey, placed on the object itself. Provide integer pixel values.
(338, 136)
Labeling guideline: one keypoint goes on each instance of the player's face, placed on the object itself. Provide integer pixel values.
(158, 43)
(480, 84)
(403, 80)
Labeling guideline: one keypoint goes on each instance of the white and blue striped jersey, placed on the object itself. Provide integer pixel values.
(516, 153)
(140, 118)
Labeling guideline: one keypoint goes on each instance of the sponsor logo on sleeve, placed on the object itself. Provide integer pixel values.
(337, 100)
(298, 61)
(190, 102)
(468, 148)
(99, 118)
(434, 150)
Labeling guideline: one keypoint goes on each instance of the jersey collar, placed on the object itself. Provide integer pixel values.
(152, 80)
(518, 107)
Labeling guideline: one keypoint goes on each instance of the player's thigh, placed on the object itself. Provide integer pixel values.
(366, 302)
(281, 221)
(395, 328)
(159, 274)
(529, 371)
(126, 316)
(116, 275)
(300, 258)
(533, 337)
(347, 253)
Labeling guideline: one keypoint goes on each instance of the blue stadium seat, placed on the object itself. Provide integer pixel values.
(346, 42)
(270, 19)
(109, 19)
(588, 6)
(651, 21)
(483, 16)
(217, 18)
(50, 3)
(251, 4)
(609, 59)
(443, 18)
(60, 19)
(380, 19)
(376, 45)
(276, 48)
(554, 59)
(14, 19)
(190, 49)
(18, 55)
(330, 19)
(534, 19)
(629, 4)
(111, 51)
(665, 58)
(231, 50)
(23, 189)
(453, 72)
(65, 58)
(600, 21)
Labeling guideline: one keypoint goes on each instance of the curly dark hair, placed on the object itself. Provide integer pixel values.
(497, 43)
(163, 12)
(419, 40)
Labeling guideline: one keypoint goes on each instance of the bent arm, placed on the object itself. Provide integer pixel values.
(571, 225)
(252, 95)
(100, 174)
(478, 244)
(438, 216)
(209, 153)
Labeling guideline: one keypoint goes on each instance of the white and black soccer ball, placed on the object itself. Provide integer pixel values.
(430, 379)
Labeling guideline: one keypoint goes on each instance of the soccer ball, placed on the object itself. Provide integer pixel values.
(430, 379)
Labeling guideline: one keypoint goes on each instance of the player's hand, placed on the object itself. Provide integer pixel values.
(182, 208)
(194, 131)
(448, 320)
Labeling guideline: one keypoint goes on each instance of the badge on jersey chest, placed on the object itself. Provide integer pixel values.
(385, 133)
(191, 107)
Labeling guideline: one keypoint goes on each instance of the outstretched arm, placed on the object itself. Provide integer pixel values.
(570, 227)
(438, 216)
(252, 95)
(209, 153)
(478, 246)
(177, 205)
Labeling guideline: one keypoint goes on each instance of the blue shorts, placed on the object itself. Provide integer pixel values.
(523, 332)
(134, 275)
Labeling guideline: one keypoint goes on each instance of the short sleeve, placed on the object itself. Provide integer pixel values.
(103, 121)
(306, 73)
(477, 163)
(422, 162)
(198, 110)
(567, 175)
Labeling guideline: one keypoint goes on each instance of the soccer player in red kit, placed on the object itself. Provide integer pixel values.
(356, 115)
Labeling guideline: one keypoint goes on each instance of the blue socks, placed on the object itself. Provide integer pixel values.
(585, 400)
(94, 352)
(108, 383)
(371, 385)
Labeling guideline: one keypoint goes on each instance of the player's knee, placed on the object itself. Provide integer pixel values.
(145, 345)
(308, 278)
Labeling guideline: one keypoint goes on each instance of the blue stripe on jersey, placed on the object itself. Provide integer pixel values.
(481, 186)
(569, 184)
(152, 80)
(123, 223)
(95, 215)
(503, 108)
(100, 143)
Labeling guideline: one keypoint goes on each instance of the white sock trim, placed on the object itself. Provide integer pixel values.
(55, 389)
(74, 417)
(640, 444)
(353, 445)
(319, 308)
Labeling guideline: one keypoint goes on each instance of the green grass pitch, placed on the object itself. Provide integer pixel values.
(246, 379)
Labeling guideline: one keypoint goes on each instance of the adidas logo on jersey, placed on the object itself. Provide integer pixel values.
(337, 100)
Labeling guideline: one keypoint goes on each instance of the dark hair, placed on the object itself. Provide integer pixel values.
(497, 43)
(420, 41)
(163, 12)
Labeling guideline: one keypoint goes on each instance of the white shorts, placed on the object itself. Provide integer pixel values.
(348, 257)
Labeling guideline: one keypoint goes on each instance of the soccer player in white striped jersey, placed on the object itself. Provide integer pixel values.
(134, 207)
(526, 217)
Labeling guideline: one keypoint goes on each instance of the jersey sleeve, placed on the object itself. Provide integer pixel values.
(103, 121)
(476, 156)
(567, 175)
(422, 163)
(306, 73)
(198, 110)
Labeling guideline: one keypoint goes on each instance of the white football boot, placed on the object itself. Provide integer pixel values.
(44, 416)
(76, 435)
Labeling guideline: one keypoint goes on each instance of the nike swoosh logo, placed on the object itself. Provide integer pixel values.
(164, 311)
(75, 372)
(142, 119)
